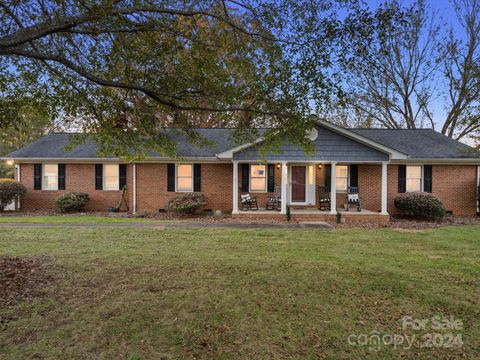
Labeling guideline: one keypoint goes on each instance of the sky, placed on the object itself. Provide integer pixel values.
(445, 14)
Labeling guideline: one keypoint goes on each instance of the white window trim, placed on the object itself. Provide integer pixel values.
(250, 179)
(103, 178)
(43, 177)
(176, 179)
(342, 191)
(421, 178)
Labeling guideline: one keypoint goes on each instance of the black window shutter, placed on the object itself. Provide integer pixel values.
(328, 176)
(271, 178)
(61, 176)
(197, 178)
(245, 177)
(98, 176)
(122, 176)
(37, 176)
(354, 175)
(427, 178)
(402, 178)
(171, 177)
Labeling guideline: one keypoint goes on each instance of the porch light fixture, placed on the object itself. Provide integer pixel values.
(279, 166)
(319, 166)
(10, 162)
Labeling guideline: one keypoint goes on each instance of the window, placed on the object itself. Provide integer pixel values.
(50, 176)
(185, 178)
(111, 179)
(414, 178)
(341, 177)
(258, 178)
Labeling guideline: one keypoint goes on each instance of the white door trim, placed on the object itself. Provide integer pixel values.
(309, 188)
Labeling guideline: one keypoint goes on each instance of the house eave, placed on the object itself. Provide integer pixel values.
(113, 160)
(439, 161)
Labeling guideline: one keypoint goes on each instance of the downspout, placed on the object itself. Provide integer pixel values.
(134, 170)
(478, 190)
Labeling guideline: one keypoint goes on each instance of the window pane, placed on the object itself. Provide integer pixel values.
(184, 184)
(342, 184)
(342, 171)
(184, 170)
(50, 176)
(257, 170)
(111, 177)
(50, 169)
(257, 184)
(414, 172)
(110, 170)
(414, 185)
(50, 183)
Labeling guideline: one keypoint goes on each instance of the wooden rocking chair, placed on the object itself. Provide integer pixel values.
(274, 202)
(247, 202)
(324, 199)
(353, 198)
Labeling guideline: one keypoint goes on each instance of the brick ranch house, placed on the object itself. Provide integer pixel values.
(380, 162)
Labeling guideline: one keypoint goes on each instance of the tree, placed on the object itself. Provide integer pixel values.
(404, 64)
(28, 120)
(129, 69)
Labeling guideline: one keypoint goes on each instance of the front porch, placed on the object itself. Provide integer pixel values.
(299, 187)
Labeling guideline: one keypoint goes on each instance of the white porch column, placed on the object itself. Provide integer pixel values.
(384, 189)
(284, 188)
(235, 187)
(333, 189)
(134, 185)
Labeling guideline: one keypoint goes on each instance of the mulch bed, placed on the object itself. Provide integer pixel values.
(22, 278)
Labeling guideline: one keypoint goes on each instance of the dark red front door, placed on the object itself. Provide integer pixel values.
(298, 183)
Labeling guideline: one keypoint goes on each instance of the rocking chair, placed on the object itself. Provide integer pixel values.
(247, 202)
(324, 199)
(353, 198)
(274, 202)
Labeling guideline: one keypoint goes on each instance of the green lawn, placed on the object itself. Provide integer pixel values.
(241, 294)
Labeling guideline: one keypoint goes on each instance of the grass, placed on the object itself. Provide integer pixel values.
(70, 219)
(241, 294)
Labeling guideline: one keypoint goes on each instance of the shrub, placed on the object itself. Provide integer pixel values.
(188, 202)
(72, 202)
(9, 191)
(420, 205)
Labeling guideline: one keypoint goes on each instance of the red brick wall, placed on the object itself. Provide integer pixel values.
(152, 194)
(79, 178)
(455, 185)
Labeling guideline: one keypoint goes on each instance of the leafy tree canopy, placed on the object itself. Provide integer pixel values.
(129, 69)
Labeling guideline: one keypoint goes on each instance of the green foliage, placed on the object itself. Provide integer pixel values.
(289, 213)
(420, 205)
(72, 202)
(338, 217)
(188, 202)
(152, 65)
(9, 191)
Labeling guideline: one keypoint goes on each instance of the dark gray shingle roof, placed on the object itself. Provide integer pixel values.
(421, 143)
(53, 145)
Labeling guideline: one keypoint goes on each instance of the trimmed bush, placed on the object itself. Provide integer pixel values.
(9, 191)
(420, 205)
(187, 203)
(72, 202)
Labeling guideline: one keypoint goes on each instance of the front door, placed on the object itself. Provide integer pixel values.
(298, 183)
